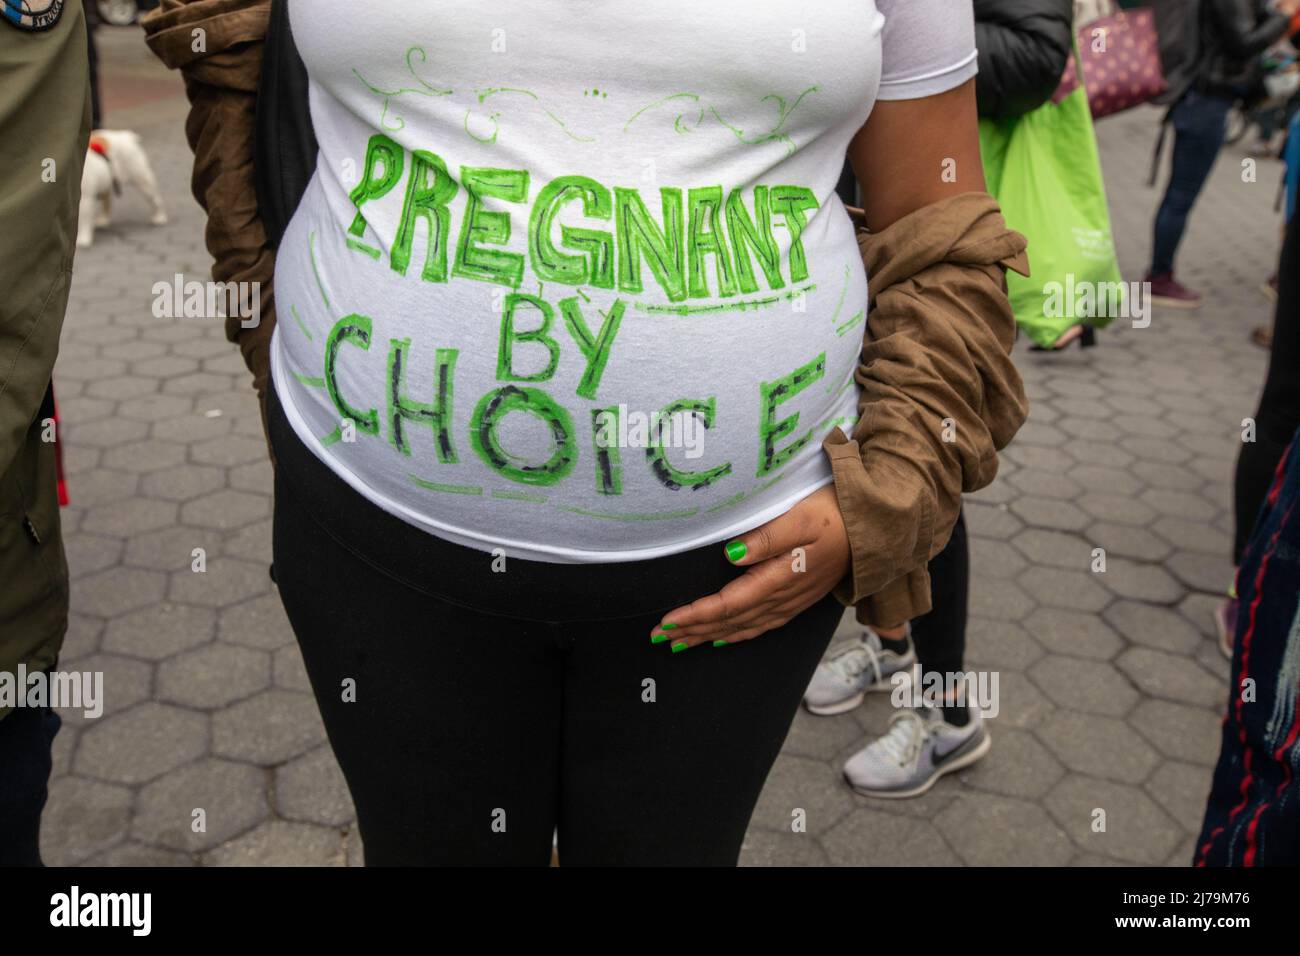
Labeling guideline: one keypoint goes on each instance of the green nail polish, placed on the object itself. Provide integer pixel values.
(658, 638)
(680, 646)
(736, 550)
(667, 627)
(719, 643)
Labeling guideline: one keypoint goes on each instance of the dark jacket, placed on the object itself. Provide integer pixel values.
(1023, 47)
(44, 119)
(1233, 34)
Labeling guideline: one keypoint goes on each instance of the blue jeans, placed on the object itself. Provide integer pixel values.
(25, 739)
(1252, 817)
(1199, 124)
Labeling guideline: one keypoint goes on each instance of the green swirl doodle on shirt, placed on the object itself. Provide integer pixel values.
(691, 119)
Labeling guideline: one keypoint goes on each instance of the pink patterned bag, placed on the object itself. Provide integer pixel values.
(1120, 57)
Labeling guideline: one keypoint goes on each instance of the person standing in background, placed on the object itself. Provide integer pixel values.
(1232, 34)
(1023, 49)
(44, 130)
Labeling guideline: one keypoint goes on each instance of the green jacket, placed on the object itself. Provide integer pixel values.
(44, 130)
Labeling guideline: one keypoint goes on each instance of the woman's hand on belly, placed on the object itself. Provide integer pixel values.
(793, 562)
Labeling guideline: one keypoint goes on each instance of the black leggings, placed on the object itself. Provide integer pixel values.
(1278, 416)
(940, 636)
(492, 708)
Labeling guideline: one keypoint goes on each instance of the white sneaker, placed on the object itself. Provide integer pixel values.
(852, 669)
(918, 749)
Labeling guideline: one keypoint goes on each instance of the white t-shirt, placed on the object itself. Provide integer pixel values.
(572, 279)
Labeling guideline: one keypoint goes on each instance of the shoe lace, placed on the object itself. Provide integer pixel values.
(856, 657)
(907, 732)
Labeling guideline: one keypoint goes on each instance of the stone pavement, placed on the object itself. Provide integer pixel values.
(1111, 686)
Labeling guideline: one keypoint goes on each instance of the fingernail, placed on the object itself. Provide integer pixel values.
(736, 549)
(667, 627)
(719, 643)
(680, 646)
(658, 638)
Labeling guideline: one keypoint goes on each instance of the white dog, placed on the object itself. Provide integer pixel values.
(115, 157)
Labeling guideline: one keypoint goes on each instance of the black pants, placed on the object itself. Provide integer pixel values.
(490, 708)
(940, 636)
(1279, 406)
(26, 735)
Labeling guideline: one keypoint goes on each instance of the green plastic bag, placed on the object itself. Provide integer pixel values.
(1044, 171)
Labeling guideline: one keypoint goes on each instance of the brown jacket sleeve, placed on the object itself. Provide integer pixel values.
(940, 396)
(217, 46)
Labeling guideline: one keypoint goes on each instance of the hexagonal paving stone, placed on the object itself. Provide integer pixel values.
(171, 549)
(1179, 504)
(311, 789)
(226, 509)
(999, 644)
(1158, 627)
(1135, 828)
(1003, 600)
(118, 590)
(1050, 513)
(106, 432)
(993, 521)
(87, 553)
(287, 669)
(1199, 610)
(182, 482)
(1127, 541)
(116, 684)
(144, 456)
(1116, 508)
(1075, 590)
(1021, 704)
(1182, 790)
(820, 738)
(1100, 746)
(1094, 687)
(1054, 548)
(159, 631)
(876, 837)
(1000, 831)
(140, 744)
(277, 843)
(215, 675)
(764, 848)
(229, 451)
(797, 783)
(995, 558)
(1104, 454)
(1170, 677)
(131, 854)
(1017, 765)
(101, 485)
(1073, 633)
(274, 726)
(81, 818)
(1189, 734)
(256, 476)
(257, 623)
(122, 519)
(225, 582)
(1146, 582)
(1045, 484)
(232, 797)
(1161, 475)
(1203, 572)
(193, 428)
(253, 543)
